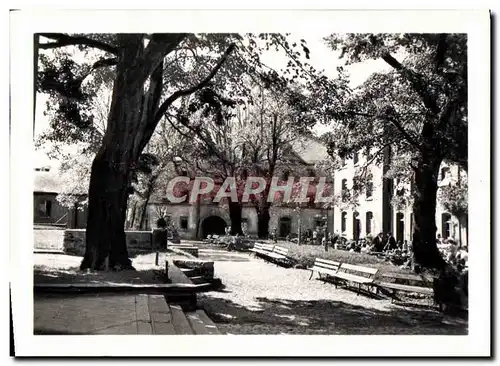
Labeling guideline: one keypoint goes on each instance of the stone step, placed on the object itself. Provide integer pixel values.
(190, 272)
(209, 324)
(201, 323)
(198, 279)
(161, 316)
(199, 267)
(180, 321)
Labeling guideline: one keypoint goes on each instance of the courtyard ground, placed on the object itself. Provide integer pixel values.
(261, 298)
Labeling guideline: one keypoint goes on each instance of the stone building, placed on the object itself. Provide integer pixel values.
(213, 219)
(374, 212)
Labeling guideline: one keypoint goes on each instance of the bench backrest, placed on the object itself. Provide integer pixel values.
(280, 250)
(327, 264)
(262, 246)
(407, 277)
(361, 271)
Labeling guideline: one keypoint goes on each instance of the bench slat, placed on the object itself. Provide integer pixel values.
(327, 262)
(404, 276)
(280, 250)
(396, 286)
(353, 278)
(329, 271)
(275, 255)
(353, 267)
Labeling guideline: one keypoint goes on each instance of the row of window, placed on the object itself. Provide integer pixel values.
(355, 218)
(446, 225)
(368, 189)
(355, 158)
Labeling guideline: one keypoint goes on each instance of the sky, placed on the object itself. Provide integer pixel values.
(321, 57)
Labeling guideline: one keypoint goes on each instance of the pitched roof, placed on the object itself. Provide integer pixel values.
(46, 182)
(310, 150)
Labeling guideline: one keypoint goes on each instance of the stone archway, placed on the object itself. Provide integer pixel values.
(213, 225)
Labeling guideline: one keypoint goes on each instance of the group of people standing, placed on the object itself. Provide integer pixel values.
(384, 242)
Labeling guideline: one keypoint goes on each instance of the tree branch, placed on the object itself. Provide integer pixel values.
(441, 49)
(160, 45)
(63, 40)
(416, 81)
(405, 133)
(170, 100)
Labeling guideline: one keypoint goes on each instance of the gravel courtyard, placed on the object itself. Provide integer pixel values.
(261, 298)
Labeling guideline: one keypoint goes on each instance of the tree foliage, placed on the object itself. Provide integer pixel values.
(150, 75)
(416, 112)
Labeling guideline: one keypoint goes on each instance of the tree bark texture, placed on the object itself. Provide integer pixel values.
(235, 210)
(425, 248)
(263, 218)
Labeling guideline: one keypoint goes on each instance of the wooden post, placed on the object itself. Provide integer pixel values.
(299, 228)
(156, 258)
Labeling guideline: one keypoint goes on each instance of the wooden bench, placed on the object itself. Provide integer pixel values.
(262, 249)
(399, 282)
(358, 274)
(324, 266)
(280, 255)
(273, 253)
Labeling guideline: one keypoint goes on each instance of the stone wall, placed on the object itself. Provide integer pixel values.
(74, 241)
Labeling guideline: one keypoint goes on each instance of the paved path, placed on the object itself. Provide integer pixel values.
(116, 314)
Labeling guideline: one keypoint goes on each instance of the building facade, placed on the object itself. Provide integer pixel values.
(196, 221)
(374, 212)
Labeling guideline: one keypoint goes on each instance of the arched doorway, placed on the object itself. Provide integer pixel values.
(213, 225)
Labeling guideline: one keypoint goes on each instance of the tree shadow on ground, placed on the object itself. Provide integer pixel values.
(219, 257)
(275, 316)
(74, 275)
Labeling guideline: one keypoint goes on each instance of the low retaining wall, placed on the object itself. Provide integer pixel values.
(199, 267)
(186, 248)
(137, 241)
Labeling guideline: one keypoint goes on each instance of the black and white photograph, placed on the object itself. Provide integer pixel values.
(260, 173)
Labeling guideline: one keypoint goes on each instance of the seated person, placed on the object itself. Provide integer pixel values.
(378, 243)
(390, 243)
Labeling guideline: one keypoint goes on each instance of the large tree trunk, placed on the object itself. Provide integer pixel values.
(112, 167)
(425, 250)
(263, 218)
(105, 235)
(235, 216)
